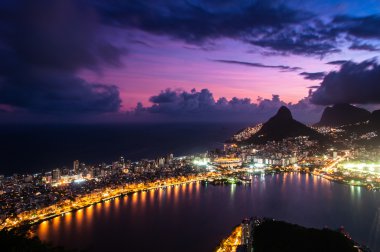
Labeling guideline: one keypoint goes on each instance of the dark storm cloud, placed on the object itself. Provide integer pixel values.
(198, 21)
(359, 27)
(253, 64)
(284, 45)
(267, 24)
(364, 47)
(308, 38)
(353, 83)
(313, 76)
(179, 105)
(43, 44)
(318, 37)
(272, 25)
(63, 93)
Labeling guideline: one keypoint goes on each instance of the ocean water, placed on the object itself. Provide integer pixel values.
(36, 148)
(195, 217)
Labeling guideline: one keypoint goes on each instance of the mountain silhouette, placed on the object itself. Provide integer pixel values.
(374, 120)
(343, 114)
(282, 126)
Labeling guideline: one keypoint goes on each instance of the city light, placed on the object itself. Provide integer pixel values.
(79, 180)
(363, 167)
(259, 165)
(201, 162)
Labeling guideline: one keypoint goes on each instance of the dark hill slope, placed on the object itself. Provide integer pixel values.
(343, 114)
(374, 120)
(281, 126)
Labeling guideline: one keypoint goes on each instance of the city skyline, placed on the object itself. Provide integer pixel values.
(190, 125)
(267, 170)
(93, 61)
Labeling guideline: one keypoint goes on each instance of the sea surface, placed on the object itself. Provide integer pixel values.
(197, 217)
(186, 218)
(36, 148)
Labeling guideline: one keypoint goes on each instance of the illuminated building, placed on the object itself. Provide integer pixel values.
(169, 159)
(122, 162)
(160, 162)
(228, 162)
(76, 166)
(247, 133)
(65, 172)
(246, 234)
(370, 168)
(56, 174)
(201, 161)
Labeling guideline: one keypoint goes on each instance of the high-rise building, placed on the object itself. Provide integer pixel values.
(91, 173)
(246, 234)
(56, 174)
(161, 162)
(76, 166)
(82, 166)
(97, 172)
(47, 177)
(65, 172)
(122, 162)
(245, 231)
(169, 158)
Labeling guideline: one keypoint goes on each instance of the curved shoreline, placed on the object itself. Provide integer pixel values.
(21, 221)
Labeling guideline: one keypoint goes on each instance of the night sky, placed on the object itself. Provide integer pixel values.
(171, 60)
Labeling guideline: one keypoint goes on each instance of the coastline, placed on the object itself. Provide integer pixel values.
(31, 218)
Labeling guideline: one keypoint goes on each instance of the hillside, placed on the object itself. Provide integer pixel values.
(281, 126)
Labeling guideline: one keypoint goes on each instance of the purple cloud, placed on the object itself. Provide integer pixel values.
(255, 64)
(179, 105)
(44, 45)
(356, 83)
(313, 76)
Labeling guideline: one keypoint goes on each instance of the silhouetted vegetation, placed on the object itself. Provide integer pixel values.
(274, 236)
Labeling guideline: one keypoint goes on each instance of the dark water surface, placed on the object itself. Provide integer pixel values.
(195, 218)
(36, 148)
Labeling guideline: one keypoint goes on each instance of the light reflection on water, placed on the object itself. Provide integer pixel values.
(43, 230)
(89, 215)
(205, 214)
(233, 189)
